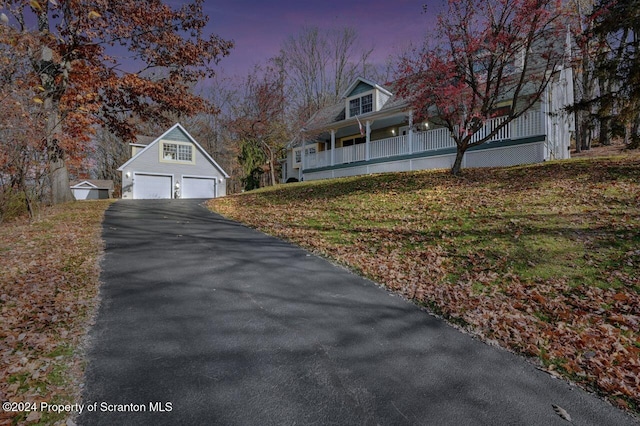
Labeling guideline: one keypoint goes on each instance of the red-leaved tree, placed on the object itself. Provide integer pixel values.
(487, 53)
(99, 61)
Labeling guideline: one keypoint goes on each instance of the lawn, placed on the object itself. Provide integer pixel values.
(49, 271)
(541, 259)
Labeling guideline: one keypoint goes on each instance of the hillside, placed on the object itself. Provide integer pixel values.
(541, 259)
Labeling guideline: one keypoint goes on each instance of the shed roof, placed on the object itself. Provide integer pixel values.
(93, 183)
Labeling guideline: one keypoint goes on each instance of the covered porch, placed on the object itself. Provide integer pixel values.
(426, 141)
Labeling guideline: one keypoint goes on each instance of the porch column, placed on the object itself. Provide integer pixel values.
(333, 147)
(367, 146)
(410, 133)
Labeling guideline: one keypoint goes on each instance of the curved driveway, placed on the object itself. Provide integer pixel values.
(233, 327)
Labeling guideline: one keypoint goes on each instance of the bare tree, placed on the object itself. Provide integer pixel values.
(110, 153)
(320, 64)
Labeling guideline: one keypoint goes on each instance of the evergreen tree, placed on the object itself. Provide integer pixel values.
(616, 26)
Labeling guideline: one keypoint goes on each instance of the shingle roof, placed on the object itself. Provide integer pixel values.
(144, 140)
(99, 183)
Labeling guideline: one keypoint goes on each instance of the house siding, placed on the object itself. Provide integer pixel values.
(382, 99)
(176, 135)
(362, 87)
(290, 171)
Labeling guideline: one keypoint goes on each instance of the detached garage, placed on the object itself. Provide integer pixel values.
(172, 166)
(92, 189)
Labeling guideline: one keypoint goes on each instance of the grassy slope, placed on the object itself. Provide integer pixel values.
(543, 259)
(48, 289)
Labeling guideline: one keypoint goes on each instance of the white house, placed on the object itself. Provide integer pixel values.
(371, 130)
(173, 165)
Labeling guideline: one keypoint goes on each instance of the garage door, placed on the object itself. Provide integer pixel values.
(151, 186)
(90, 193)
(193, 187)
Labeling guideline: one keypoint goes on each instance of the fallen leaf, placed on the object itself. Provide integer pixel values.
(35, 5)
(561, 412)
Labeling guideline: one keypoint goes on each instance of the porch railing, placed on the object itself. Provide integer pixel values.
(529, 124)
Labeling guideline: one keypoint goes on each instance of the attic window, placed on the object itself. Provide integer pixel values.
(172, 151)
(361, 105)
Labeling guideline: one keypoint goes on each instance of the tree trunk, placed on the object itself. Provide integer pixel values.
(59, 176)
(58, 173)
(272, 172)
(457, 165)
(583, 118)
(585, 133)
(581, 131)
(605, 131)
(634, 136)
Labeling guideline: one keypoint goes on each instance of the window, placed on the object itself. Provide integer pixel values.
(170, 151)
(173, 151)
(361, 105)
(354, 107)
(353, 141)
(309, 153)
(367, 104)
(184, 152)
(500, 111)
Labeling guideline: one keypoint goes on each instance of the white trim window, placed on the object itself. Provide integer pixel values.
(361, 105)
(176, 151)
(297, 157)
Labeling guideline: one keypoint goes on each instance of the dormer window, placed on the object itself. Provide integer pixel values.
(361, 105)
(176, 152)
(362, 97)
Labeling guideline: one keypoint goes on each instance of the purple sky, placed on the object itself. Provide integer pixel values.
(259, 27)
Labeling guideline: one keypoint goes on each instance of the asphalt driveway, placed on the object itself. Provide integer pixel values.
(204, 321)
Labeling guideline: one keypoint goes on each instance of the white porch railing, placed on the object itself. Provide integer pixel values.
(349, 154)
(389, 147)
(529, 124)
(432, 140)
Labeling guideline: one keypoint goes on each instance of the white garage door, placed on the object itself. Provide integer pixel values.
(151, 186)
(198, 187)
(90, 193)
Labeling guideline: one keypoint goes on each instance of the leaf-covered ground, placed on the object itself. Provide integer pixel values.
(542, 259)
(48, 289)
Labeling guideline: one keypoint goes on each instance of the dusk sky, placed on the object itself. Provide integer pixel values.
(259, 27)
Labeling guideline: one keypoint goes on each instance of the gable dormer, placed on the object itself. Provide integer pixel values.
(363, 97)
